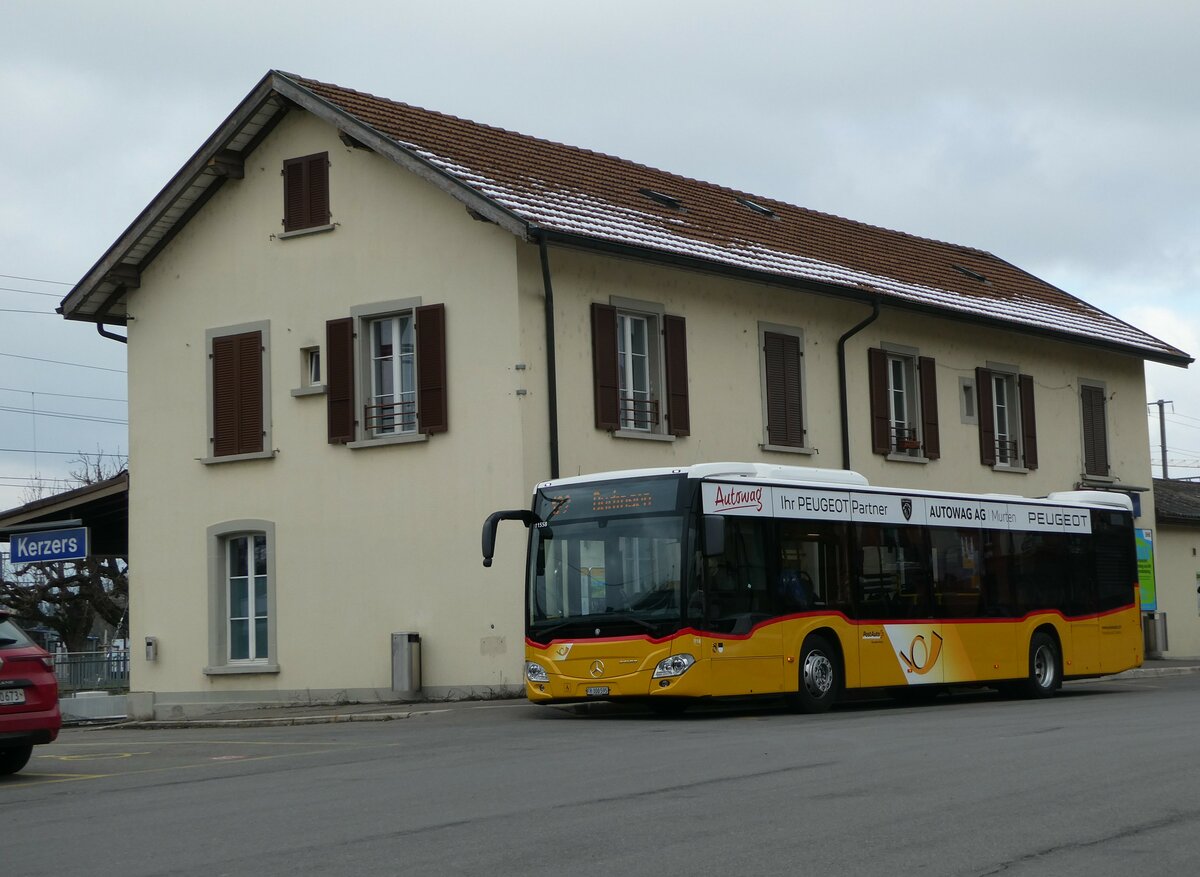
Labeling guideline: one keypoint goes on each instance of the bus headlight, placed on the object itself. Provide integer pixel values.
(535, 672)
(676, 665)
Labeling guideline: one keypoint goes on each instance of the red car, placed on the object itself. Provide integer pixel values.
(29, 711)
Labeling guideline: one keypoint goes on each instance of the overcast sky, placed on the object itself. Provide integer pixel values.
(1060, 136)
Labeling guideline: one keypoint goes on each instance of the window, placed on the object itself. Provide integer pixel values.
(392, 357)
(1094, 399)
(1007, 427)
(312, 366)
(904, 419)
(783, 387)
(239, 392)
(241, 566)
(306, 192)
(639, 360)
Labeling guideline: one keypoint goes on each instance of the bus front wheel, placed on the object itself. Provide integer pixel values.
(1045, 673)
(820, 676)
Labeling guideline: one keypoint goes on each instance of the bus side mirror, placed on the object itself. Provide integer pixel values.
(525, 516)
(714, 535)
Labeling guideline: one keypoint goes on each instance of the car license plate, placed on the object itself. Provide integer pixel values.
(17, 695)
(598, 691)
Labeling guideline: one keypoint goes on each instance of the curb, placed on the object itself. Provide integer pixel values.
(332, 718)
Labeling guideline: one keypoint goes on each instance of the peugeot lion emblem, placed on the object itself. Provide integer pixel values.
(906, 507)
(597, 669)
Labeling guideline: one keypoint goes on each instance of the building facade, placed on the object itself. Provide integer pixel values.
(355, 328)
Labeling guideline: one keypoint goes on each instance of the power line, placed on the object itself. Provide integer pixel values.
(36, 280)
(61, 362)
(64, 415)
(28, 291)
(18, 311)
(61, 453)
(63, 395)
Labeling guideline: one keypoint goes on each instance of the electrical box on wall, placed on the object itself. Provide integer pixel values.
(151, 648)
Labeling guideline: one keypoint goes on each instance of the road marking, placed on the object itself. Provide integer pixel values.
(93, 756)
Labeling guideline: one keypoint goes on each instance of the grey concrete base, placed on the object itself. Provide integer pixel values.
(179, 705)
(90, 705)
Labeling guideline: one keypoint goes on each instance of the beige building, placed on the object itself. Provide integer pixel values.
(1177, 566)
(355, 328)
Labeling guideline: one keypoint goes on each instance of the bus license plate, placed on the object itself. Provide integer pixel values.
(17, 695)
(598, 691)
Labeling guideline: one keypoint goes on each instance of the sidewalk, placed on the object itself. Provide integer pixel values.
(263, 717)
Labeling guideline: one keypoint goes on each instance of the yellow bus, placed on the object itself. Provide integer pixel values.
(726, 580)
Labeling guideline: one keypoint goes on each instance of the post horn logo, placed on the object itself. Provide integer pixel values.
(921, 656)
(906, 508)
(597, 669)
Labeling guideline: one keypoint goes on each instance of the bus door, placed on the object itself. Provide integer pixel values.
(744, 651)
(969, 596)
(899, 640)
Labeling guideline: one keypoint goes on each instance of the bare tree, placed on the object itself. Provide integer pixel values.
(69, 596)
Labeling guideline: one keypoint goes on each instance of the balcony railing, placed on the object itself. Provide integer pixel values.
(1006, 452)
(389, 418)
(92, 671)
(905, 439)
(638, 413)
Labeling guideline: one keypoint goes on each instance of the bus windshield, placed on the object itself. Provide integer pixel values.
(609, 558)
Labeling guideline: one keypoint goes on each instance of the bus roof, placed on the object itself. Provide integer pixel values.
(837, 479)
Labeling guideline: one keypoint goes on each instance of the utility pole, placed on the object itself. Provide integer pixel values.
(1162, 432)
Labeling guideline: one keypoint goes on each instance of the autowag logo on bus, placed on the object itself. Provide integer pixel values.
(728, 498)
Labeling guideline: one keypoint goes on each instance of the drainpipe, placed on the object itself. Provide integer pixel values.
(842, 380)
(107, 334)
(551, 373)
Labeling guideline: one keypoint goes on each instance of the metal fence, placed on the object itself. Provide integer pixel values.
(92, 671)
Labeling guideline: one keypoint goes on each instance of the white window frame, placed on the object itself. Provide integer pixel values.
(631, 312)
(311, 372)
(1007, 376)
(906, 397)
(220, 621)
(365, 317)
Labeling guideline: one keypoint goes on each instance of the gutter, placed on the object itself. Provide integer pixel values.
(551, 372)
(107, 334)
(844, 402)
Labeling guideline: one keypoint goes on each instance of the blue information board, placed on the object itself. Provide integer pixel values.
(48, 545)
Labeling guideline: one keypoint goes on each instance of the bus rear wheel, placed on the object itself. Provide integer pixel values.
(1045, 667)
(820, 676)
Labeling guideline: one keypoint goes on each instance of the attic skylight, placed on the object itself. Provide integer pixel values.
(665, 200)
(974, 275)
(757, 208)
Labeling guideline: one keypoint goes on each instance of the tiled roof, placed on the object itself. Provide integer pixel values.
(563, 194)
(1176, 501)
(596, 197)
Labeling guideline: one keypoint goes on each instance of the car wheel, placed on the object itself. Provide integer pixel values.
(14, 758)
(820, 676)
(1045, 666)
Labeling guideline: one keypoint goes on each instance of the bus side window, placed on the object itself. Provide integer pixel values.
(892, 572)
(735, 592)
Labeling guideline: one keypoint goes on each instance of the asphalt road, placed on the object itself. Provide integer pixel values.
(1099, 781)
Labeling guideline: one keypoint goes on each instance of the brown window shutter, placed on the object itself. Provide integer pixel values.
(318, 189)
(1095, 431)
(930, 436)
(306, 192)
(881, 426)
(237, 394)
(781, 363)
(339, 369)
(679, 420)
(605, 379)
(987, 416)
(1028, 422)
(432, 411)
